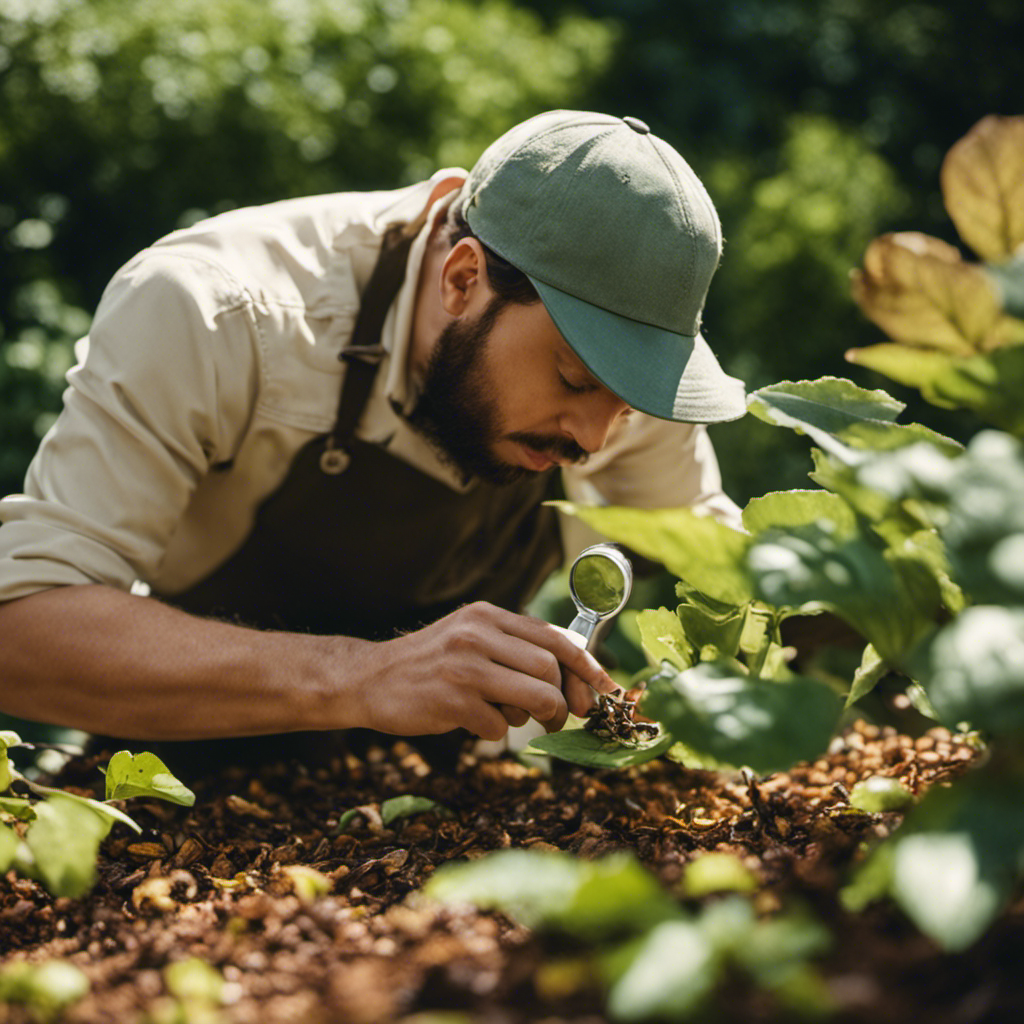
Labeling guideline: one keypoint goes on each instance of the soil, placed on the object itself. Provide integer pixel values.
(214, 882)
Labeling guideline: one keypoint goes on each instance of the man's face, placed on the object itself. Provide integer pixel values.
(504, 397)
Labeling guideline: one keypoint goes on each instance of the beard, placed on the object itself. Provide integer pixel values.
(457, 411)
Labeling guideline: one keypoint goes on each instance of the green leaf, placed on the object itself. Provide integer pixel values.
(787, 509)
(557, 890)
(970, 669)
(905, 364)
(346, 819)
(9, 840)
(879, 793)
(663, 638)
(872, 668)
(145, 775)
(17, 807)
(1009, 279)
(954, 863)
(821, 408)
(743, 720)
(991, 385)
(46, 988)
(890, 600)
(579, 746)
(717, 872)
(702, 551)
(671, 976)
(703, 629)
(406, 806)
(65, 839)
(9, 738)
(195, 981)
(939, 880)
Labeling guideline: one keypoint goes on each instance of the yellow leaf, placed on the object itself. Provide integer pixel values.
(913, 367)
(921, 293)
(983, 186)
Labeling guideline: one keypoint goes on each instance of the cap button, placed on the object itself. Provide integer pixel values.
(637, 125)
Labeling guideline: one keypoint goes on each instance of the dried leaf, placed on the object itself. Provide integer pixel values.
(983, 186)
(920, 292)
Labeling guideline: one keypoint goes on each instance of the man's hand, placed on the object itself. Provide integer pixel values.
(481, 668)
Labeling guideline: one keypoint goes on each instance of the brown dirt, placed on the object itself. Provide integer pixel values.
(212, 882)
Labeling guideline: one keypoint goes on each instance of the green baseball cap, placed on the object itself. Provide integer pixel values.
(620, 239)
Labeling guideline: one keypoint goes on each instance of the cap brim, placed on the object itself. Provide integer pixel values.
(656, 371)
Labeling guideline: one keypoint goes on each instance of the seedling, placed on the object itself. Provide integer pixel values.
(60, 842)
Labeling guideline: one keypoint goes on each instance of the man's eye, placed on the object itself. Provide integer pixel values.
(576, 389)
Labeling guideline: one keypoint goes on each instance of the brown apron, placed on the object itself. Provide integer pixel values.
(359, 543)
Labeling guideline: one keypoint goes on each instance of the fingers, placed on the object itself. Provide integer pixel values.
(576, 660)
(513, 715)
(578, 695)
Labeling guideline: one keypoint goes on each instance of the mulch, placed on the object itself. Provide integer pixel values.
(216, 881)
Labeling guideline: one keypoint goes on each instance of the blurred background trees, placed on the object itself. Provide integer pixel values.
(816, 124)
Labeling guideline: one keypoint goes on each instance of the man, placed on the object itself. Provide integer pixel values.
(325, 563)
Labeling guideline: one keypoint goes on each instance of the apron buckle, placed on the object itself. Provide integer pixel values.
(333, 460)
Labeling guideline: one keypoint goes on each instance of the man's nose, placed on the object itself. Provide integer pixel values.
(593, 422)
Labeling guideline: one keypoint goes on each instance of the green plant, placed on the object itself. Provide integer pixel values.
(56, 839)
(654, 960)
(915, 541)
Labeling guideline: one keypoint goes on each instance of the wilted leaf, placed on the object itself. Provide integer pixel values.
(405, 806)
(982, 181)
(673, 972)
(921, 293)
(704, 552)
(580, 746)
(662, 636)
(971, 669)
(743, 720)
(65, 839)
(144, 774)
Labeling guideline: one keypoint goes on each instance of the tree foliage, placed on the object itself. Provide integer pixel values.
(123, 119)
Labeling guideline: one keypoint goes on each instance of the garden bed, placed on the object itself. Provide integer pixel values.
(218, 882)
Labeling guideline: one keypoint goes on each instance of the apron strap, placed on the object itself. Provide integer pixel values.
(363, 353)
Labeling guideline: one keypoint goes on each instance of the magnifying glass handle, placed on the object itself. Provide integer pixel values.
(581, 629)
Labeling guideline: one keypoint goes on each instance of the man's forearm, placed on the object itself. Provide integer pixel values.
(95, 658)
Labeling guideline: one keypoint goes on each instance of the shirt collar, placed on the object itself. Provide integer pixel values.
(400, 387)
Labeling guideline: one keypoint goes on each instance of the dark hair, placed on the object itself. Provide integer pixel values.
(510, 284)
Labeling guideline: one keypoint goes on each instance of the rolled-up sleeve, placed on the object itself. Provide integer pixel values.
(163, 389)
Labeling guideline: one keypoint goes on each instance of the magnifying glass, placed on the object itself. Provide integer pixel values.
(600, 581)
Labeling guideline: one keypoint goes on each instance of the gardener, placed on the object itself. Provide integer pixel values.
(491, 338)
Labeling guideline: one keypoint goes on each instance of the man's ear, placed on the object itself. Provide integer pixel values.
(464, 283)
